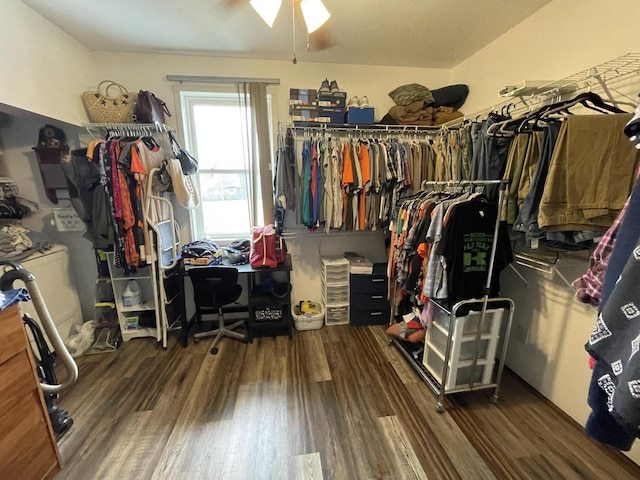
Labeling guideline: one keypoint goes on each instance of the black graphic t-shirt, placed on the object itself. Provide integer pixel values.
(466, 246)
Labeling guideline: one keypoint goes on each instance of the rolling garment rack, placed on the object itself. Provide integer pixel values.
(440, 385)
(163, 282)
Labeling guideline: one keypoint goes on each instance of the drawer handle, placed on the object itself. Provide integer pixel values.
(377, 296)
(376, 314)
(377, 280)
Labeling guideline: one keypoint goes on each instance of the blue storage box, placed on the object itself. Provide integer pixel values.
(360, 116)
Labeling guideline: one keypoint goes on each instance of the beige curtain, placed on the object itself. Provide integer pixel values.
(253, 97)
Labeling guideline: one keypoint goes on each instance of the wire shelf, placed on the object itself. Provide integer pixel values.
(598, 76)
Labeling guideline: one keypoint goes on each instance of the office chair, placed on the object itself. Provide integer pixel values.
(213, 289)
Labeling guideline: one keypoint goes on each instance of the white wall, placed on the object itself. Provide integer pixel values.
(550, 327)
(20, 164)
(560, 39)
(43, 70)
(147, 72)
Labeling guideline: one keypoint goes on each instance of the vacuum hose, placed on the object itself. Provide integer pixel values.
(18, 272)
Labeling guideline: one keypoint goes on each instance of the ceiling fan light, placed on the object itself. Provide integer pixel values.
(315, 14)
(267, 9)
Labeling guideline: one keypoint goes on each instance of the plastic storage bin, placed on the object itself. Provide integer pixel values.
(337, 315)
(463, 350)
(459, 373)
(335, 294)
(106, 314)
(308, 321)
(335, 289)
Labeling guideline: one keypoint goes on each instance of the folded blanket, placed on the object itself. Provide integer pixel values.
(418, 113)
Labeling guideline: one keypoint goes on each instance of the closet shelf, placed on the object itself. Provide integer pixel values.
(132, 129)
(304, 232)
(375, 128)
(596, 76)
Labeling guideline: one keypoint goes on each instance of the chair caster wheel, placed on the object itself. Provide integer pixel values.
(214, 350)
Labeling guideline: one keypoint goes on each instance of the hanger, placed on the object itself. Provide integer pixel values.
(589, 100)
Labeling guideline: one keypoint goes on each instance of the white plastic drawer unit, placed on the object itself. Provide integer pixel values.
(464, 347)
(337, 315)
(460, 349)
(458, 373)
(468, 325)
(335, 294)
(335, 270)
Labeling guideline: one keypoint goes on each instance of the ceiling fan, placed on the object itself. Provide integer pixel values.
(314, 12)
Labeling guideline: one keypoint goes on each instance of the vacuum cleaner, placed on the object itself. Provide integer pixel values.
(46, 359)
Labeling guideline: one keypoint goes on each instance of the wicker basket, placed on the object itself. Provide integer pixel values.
(110, 103)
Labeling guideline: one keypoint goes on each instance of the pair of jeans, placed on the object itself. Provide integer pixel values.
(492, 157)
(527, 219)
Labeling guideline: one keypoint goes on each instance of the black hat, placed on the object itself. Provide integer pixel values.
(51, 136)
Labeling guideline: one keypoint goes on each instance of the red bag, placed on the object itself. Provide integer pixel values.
(263, 247)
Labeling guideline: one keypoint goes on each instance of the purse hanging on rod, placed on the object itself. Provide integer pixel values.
(150, 109)
(188, 162)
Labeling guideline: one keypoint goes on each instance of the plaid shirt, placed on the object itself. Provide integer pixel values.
(589, 286)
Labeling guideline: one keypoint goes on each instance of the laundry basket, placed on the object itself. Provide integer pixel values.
(308, 321)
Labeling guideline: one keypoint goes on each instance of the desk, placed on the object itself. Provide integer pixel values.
(257, 302)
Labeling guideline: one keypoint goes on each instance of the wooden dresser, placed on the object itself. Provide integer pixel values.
(28, 448)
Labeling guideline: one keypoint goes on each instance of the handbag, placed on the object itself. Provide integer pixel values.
(188, 162)
(110, 103)
(263, 247)
(149, 108)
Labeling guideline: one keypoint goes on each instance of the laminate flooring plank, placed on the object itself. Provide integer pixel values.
(329, 435)
(305, 467)
(447, 433)
(406, 465)
(404, 371)
(515, 435)
(337, 403)
(433, 456)
(315, 357)
(273, 428)
(202, 413)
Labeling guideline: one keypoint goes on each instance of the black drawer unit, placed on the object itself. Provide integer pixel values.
(368, 303)
(270, 315)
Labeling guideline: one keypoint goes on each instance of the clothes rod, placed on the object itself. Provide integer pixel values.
(199, 79)
(464, 182)
(363, 128)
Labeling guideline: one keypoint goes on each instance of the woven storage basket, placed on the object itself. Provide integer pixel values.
(110, 103)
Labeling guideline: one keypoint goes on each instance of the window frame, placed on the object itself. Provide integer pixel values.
(186, 97)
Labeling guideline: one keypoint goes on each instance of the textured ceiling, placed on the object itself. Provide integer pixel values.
(419, 33)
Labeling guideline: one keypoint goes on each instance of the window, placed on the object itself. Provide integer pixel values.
(216, 132)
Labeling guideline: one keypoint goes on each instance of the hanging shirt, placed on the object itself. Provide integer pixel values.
(466, 247)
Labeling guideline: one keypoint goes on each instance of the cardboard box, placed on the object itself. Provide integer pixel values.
(331, 115)
(206, 260)
(360, 116)
(332, 100)
(302, 96)
(303, 113)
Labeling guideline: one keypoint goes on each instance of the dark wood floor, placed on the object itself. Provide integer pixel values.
(336, 403)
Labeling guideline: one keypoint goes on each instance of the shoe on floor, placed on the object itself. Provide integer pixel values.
(363, 102)
(324, 87)
(334, 86)
(354, 102)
